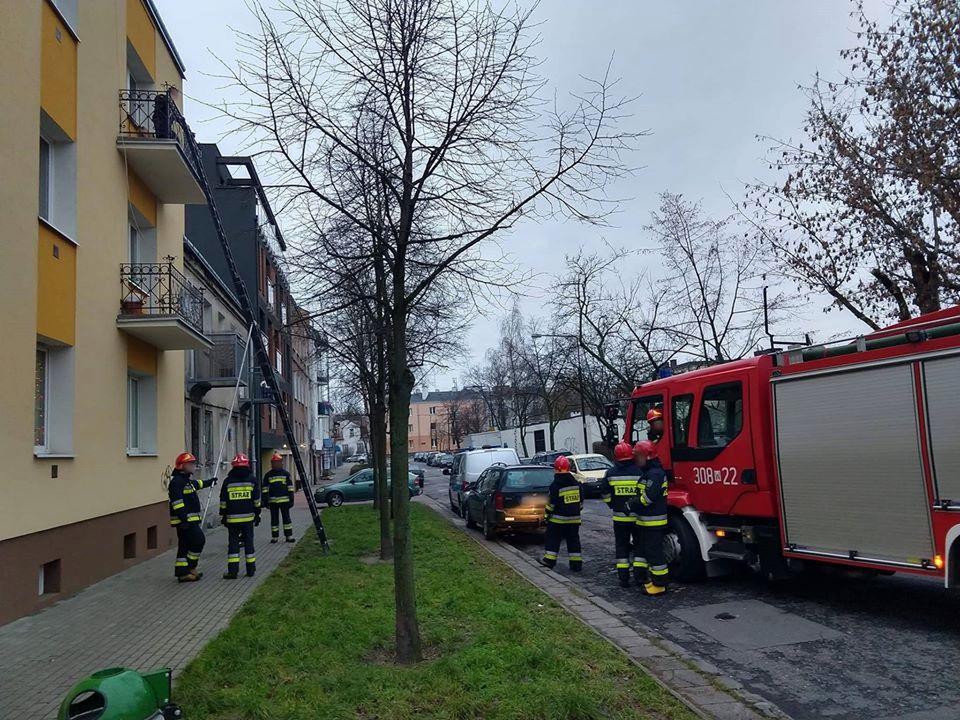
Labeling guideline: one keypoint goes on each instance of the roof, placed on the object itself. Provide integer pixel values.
(444, 396)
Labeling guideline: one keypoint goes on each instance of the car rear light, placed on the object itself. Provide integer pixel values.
(498, 501)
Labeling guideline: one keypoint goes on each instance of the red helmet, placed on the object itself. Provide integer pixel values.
(240, 460)
(182, 459)
(645, 448)
(654, 414)
(622, 451)
(276, 457)
(561, 464)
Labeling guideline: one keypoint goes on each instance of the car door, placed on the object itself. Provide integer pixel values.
(363, 488)
(487, 489)
(474, 504)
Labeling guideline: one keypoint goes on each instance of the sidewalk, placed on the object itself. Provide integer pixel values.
(139, 618)
(697, 684)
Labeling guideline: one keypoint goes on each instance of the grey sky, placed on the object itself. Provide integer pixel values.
(710, 76)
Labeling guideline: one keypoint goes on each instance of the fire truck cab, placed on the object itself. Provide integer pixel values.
(845, 453)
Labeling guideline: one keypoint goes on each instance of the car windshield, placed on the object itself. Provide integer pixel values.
(532, 479)
(598, 462)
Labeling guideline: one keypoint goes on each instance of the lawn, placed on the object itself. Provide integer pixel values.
(313, 642)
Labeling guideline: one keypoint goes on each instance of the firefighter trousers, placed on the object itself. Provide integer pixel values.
(235, 533)
(563, 532)
(629, 552)
(190, 542)
(276, 510)
(652, 543)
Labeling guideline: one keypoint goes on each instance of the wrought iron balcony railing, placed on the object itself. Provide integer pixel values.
(220, 364)
(152, 114)
(160, 290)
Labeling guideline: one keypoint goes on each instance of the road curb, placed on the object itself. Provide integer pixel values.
(696, 683)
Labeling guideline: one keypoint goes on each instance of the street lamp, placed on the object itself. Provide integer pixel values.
(583, 410)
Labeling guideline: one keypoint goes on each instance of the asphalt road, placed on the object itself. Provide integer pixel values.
(819, 646)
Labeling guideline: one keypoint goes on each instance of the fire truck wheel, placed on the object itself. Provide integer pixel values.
(683, 551)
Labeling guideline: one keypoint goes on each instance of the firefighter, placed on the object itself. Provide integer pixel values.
(279, 492)
(650, 504)
(617, 488)
(186, 516)
(240, 512)
(655, 424)
(563, 517)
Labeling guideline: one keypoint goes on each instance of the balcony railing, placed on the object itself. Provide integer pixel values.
(160, 290)
(152, 114)
(220, 364)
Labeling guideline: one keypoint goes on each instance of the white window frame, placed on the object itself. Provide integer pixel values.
(46, 171)
(278, 359)
(133, 415)
(141, 415)
(58, 400)
(43, 447)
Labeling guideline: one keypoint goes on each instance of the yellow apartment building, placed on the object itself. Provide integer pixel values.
(96, 309)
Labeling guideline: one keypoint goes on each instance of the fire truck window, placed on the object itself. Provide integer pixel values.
(680, 419)
(721, 415)
(641, 406)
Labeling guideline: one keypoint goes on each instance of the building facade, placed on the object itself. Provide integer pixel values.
(97, 170)
(257, 246)
(439, 420)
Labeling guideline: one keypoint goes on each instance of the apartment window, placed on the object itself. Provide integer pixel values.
(46, 178)
(433, 426)
(271, 293)
(433, 411)
(283, 312)
(433, 442)
(53, 400)
(49, 580)
(409, 428)
(40, 399)
(278, 360)
(273, 418)
(141, 414)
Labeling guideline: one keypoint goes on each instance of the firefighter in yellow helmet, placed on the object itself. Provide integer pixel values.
(186, 516)
(279, 493)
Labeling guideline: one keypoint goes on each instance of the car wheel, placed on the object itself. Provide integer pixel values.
(453, 506)
(335, 499)
(463, 506)
(490, 533)
(682, 551)
(469, 520)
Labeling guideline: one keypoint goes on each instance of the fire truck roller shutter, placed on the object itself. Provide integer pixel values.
(849, 461)
(942, 389)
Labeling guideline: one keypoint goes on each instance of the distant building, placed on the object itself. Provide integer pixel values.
(437, 419)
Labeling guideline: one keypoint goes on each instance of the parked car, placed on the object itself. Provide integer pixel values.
(589, 470)
(359, 458)
(357, 488)
(419, 457)
(508, 497)
(467, 467)
(445, 460)
(547, 457)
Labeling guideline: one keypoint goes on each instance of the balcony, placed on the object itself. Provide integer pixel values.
(157, 145)
(219, 365)
(159, 306)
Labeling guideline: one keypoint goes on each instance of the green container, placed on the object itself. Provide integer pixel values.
(121, 694)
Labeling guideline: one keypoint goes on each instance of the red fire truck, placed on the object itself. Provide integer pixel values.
(846, 453)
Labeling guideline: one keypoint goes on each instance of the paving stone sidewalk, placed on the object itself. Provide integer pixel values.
(699, 685)
(139, 618)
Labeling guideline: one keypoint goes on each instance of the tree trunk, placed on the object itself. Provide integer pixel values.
(378, 429)
(400, 388)
(523, 438)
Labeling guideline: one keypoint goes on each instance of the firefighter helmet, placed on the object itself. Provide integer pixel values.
(646, 448)
(240, 460)
(182, 459)
(622, 451)
(561, 464)
(276, 457)
(654, 414)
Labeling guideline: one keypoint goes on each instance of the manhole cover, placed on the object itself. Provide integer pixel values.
(725, 616)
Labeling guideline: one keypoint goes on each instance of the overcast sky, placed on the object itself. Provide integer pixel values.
(710, 76)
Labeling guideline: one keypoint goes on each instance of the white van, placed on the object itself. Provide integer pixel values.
(467, 467)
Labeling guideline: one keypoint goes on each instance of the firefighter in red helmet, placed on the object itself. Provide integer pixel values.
(617, 488)
(655, 424)
(279, 493)
(563, 517)
(186, 516)
(240, 512)
(650, 505)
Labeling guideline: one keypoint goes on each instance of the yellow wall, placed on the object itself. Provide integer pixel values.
(58, 96)
(141, 356)
(143, 36)
(142, 199)
(100, 479)
(56, 287)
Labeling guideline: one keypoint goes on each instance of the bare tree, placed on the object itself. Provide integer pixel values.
(453, 91)
(868, 210)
